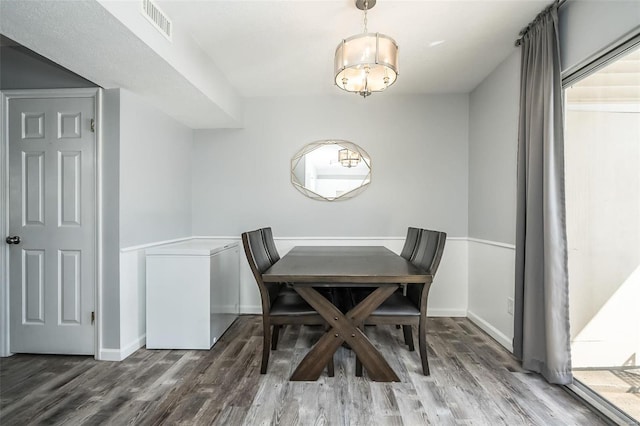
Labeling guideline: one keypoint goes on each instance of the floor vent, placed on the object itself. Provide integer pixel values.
(157, 18)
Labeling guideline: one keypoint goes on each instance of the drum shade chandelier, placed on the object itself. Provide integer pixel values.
(348, 158)
(366, 62)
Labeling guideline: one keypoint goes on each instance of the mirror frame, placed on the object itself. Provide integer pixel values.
(317, 144)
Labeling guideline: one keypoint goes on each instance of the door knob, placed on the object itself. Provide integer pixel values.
(13, 240)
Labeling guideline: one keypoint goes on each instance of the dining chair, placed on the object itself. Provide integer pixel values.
(278, 307)
(410, 242)
(267, 236)
(274, 256)
(409, 248)
(411, 309)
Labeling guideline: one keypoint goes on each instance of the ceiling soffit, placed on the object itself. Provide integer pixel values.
(115, 47)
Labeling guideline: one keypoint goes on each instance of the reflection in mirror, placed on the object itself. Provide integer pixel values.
(331, 170)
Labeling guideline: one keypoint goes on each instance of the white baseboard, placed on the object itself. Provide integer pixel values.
(250, 309)
(446, 313)
(491, 331)
(120, 354)
(134, 346)
(110, 355)
(224, 309)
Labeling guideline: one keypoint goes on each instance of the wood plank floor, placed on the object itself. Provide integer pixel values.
(473, 381)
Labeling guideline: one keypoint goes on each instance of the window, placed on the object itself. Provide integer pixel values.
(602, 162)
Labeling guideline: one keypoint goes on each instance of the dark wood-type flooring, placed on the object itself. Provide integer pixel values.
(473, 381)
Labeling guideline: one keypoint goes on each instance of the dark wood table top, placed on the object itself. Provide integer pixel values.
(344, 264)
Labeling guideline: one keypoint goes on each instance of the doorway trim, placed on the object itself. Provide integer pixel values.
(5, 96)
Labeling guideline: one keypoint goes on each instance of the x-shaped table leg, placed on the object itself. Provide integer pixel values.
(343, 328)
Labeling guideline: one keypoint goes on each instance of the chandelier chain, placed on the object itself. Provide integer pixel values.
(366, 7)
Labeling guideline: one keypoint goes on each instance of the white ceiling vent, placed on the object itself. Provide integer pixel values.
(157, 17)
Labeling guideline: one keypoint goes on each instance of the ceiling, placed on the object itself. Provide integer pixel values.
(286, 48)
(224, 51)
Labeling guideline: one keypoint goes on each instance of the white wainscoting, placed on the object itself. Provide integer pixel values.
(132, 301)
(448, 295)
(132, 306)
(491, 283)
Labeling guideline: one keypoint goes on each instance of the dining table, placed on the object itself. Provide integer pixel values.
(308, 268)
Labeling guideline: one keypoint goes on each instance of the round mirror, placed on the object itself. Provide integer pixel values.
(331, 170)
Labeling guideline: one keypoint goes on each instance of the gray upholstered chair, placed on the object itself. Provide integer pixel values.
(411, 309)
(410, 243)
(409, 248)
(267, 236)
(278, 307)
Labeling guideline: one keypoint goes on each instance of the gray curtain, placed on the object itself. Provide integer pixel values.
(541, 332)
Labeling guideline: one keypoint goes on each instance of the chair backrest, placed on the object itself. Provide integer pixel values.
(259, 262)
(410, 243)
(267, 236)
(427, 257)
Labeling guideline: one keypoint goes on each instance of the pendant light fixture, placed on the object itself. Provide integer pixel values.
(348, 158)
(367, 62)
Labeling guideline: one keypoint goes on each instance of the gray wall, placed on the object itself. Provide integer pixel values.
(493, 138)
(146, 177)
(155, 174)
(493, 143)
(418, 147)
(20, 68)
(110, 128)
(589, 27)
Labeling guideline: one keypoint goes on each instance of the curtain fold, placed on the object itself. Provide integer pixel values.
(541, 317)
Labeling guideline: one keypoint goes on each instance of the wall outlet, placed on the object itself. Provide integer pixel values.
(509, 306)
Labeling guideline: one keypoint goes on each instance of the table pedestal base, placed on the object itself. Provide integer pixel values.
(344, 328)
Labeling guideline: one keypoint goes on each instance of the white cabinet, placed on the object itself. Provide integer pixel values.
(193, 291)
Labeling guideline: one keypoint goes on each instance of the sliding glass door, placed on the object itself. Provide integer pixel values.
(602, 156)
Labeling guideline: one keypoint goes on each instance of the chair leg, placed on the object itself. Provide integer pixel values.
(330, 368)
(359, 371)
(422, 338)
(266, 346)
(274, 337)
(408, 337)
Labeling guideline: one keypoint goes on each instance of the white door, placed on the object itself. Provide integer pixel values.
(51, 225)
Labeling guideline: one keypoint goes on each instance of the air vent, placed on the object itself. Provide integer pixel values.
(157, 18)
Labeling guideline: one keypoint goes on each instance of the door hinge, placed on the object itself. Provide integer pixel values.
(93, 317)
(93, 125)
